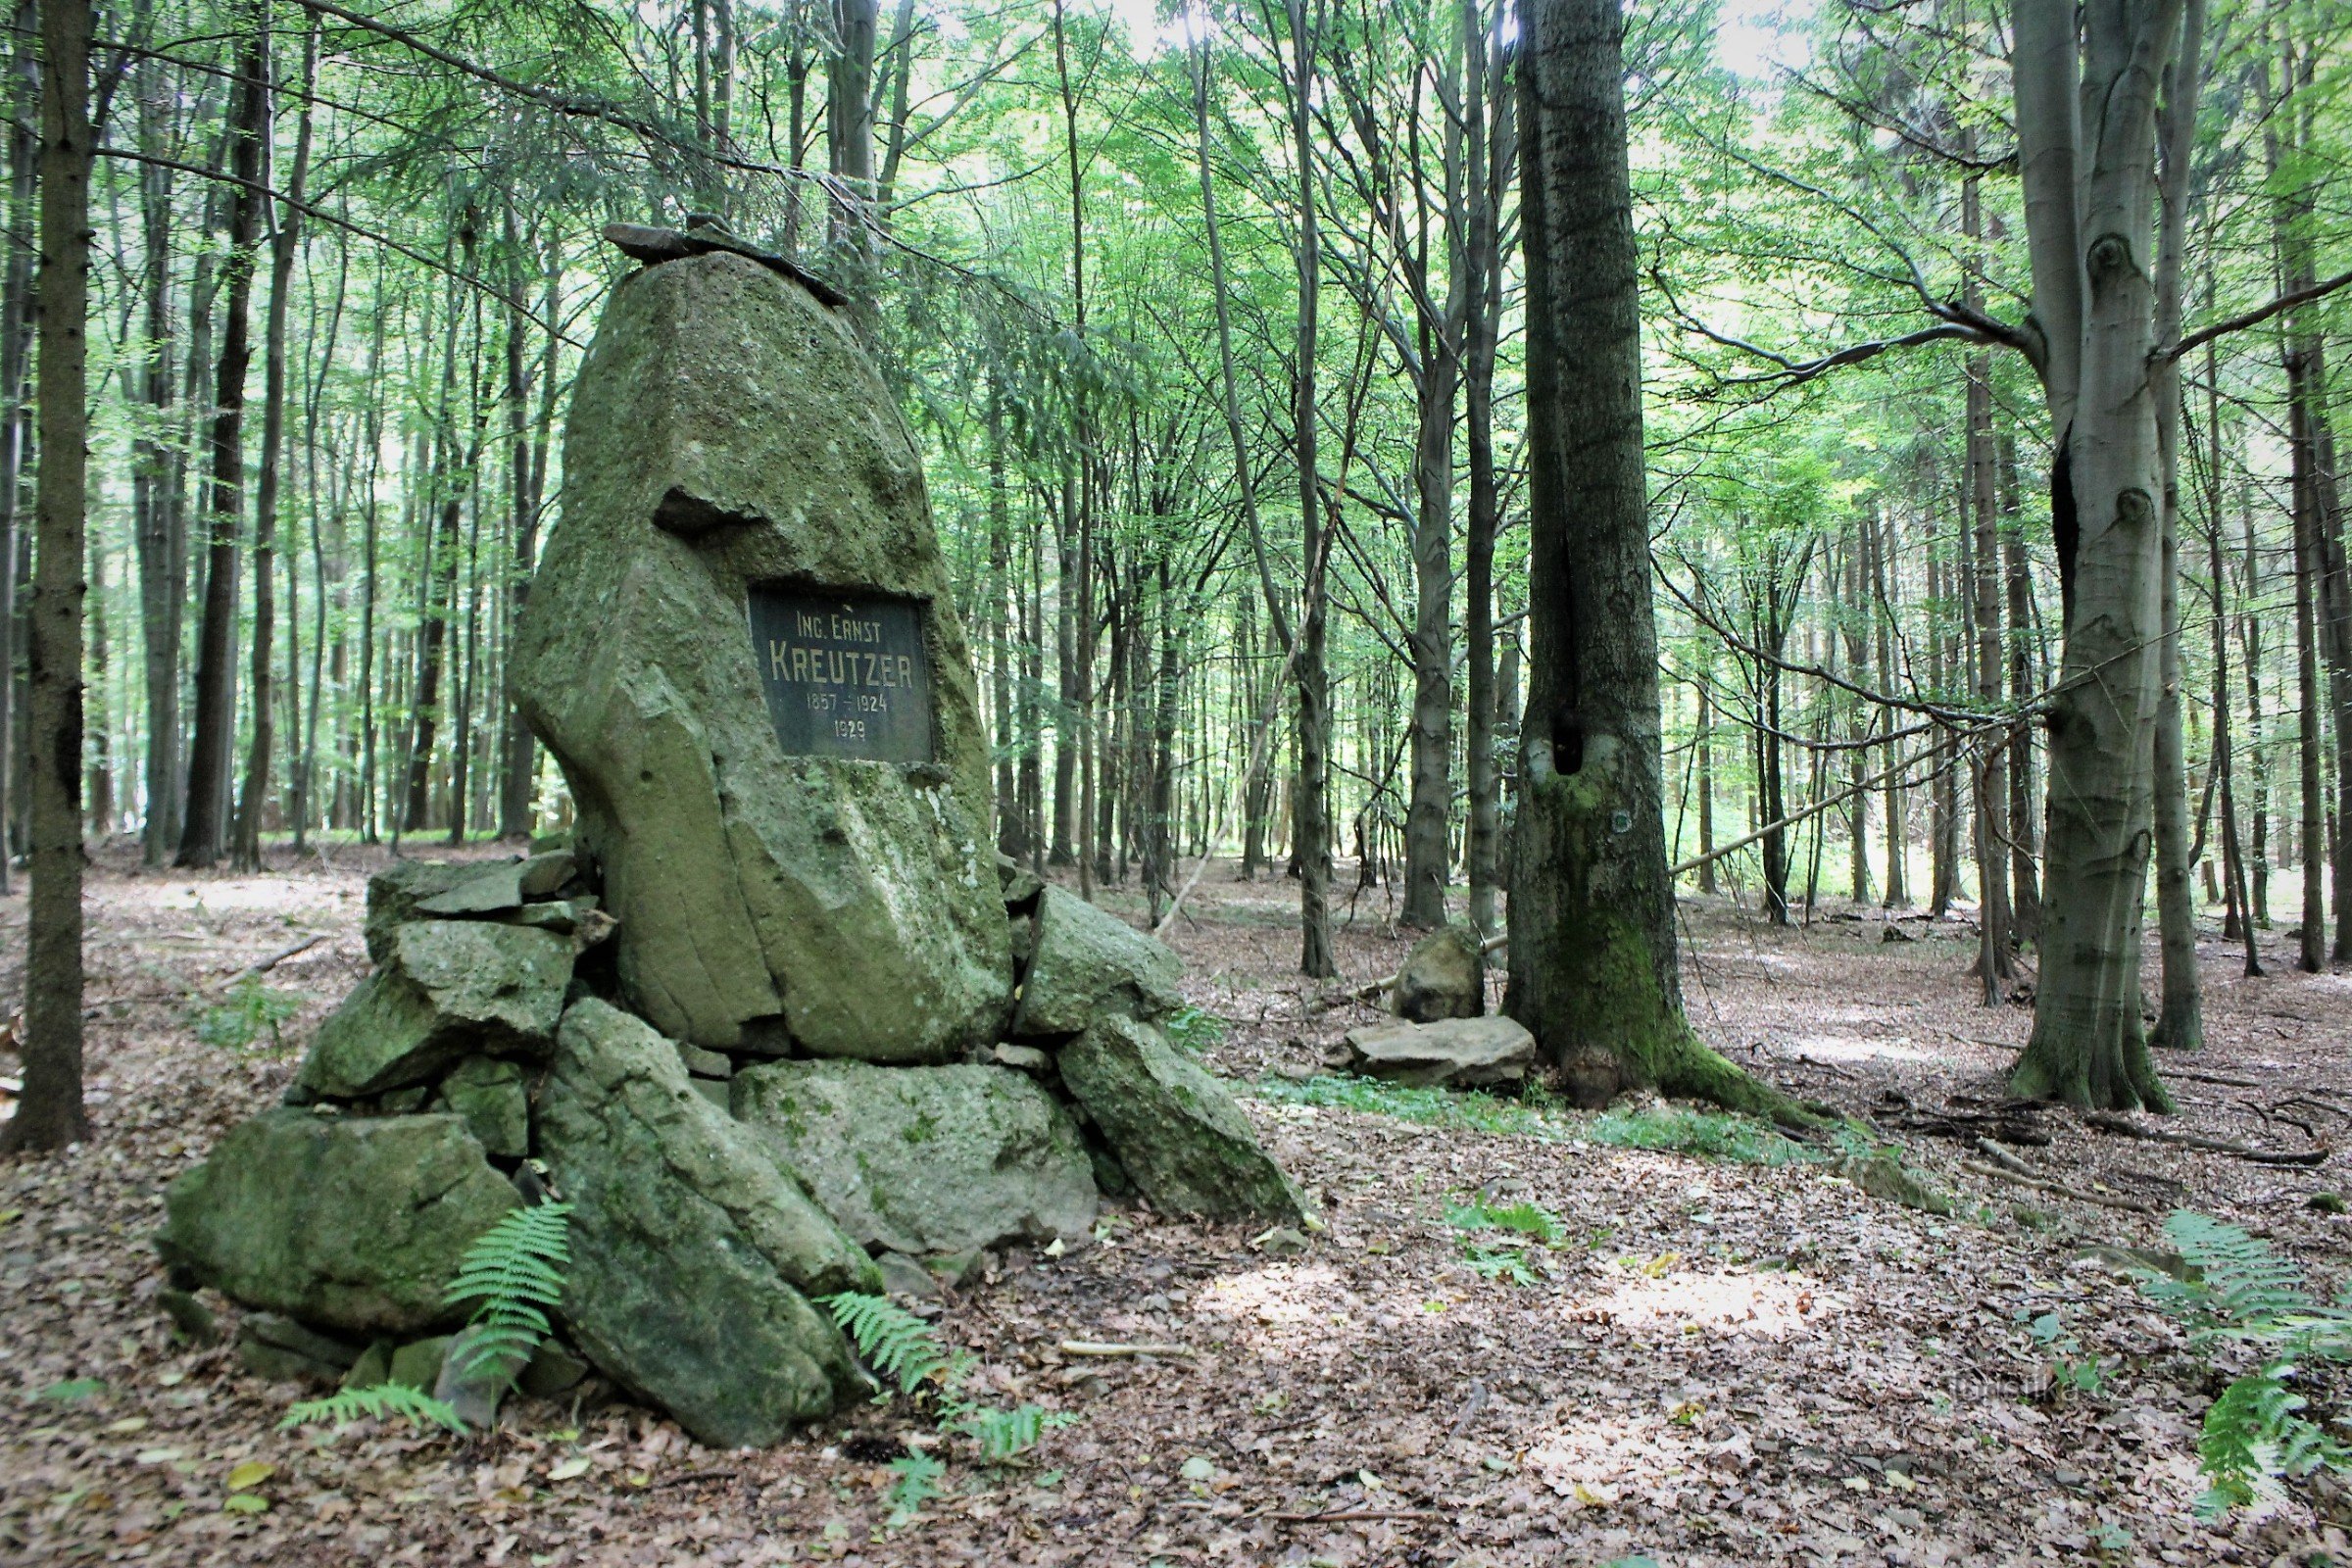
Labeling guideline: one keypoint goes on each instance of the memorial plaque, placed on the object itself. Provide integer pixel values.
(845, 674)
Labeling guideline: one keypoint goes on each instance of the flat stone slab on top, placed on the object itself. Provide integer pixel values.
(1461, 1053)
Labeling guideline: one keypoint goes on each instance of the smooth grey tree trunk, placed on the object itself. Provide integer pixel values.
(2087, 128)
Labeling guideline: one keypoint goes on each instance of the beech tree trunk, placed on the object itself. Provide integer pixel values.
(1593, 971)
(2087, 129)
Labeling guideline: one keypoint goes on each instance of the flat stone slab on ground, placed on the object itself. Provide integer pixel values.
(1458, 1052)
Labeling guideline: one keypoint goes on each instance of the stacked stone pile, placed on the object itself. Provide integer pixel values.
(775, 1024)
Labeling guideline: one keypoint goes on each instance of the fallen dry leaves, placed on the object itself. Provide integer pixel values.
(1719, 1365)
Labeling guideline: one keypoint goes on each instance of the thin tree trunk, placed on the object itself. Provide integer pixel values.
(2181, 1020)
(155, 490)
(1484, 161)
(1310, 836)
(15, 332)
(50, 1113)
(1988, 774)
(202, 836)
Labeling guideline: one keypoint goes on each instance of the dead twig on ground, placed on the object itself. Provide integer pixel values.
(271, 962)
(1106, 1350)
(2108, 1121)
(2057, 1189)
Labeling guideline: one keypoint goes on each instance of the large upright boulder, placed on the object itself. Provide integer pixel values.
(448, 988)
(1088, 964)
(1174, 1128)
(347, 1222)
(730, 440)
(925, 1159)
(693, 1255)
(1444, 976)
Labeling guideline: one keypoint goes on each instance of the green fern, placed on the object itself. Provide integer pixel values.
(2255, 1435)
(1003, 1435)
(513, 1276)
(384, 1401)
(906, 1349)
(1525, 1218)
(894, 1343)
(917, 1484)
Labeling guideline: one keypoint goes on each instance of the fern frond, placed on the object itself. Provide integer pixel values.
(385, 1401)
(894, 1343)
(513, 1275)
(1003, 1434)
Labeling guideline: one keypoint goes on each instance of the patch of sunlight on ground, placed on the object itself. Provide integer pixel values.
(1856, 1048)
(1739, 1303)
(1280, 1296)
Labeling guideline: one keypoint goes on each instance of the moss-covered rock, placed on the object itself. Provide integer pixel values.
(1177, 1133)
(501, 888)
(448, 988)
(344, 1222)
(1090, 963)
(278, 1348)
(1444, 976)
(489, 1094)
(693, 1253)
(394, 892)
(729, 431)
(924, 1159)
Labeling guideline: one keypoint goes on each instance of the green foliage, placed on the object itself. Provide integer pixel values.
(2256, 1434)
(1003, 1434)
(513, 1275)
(906, 1349)
(1669, 1129)
(1504, 1256)
(894, 1343)
(393, 1402)
(919, 1476)
(1433, 1107)
(1707, 1134)
(2068, 1364)
(1193, 1030)
(249, 1009)
(72, 1391)
(1527, 1219)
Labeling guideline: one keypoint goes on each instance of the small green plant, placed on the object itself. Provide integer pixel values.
(513, 1275)
(1527, 1219)
(1193, 1030)
(394, 1402)
(917, 1484)
(906, 1349)
(248, 1010)
(894, 1343)
(2069, 1366)
(2238, 1291)
(1707, 1134)
(1499, 1235)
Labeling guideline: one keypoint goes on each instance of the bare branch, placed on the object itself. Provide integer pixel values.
(2253, 318)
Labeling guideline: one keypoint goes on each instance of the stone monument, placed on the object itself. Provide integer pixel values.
(775, 1013)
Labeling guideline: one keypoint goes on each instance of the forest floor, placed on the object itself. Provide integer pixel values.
(1725, 1360)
